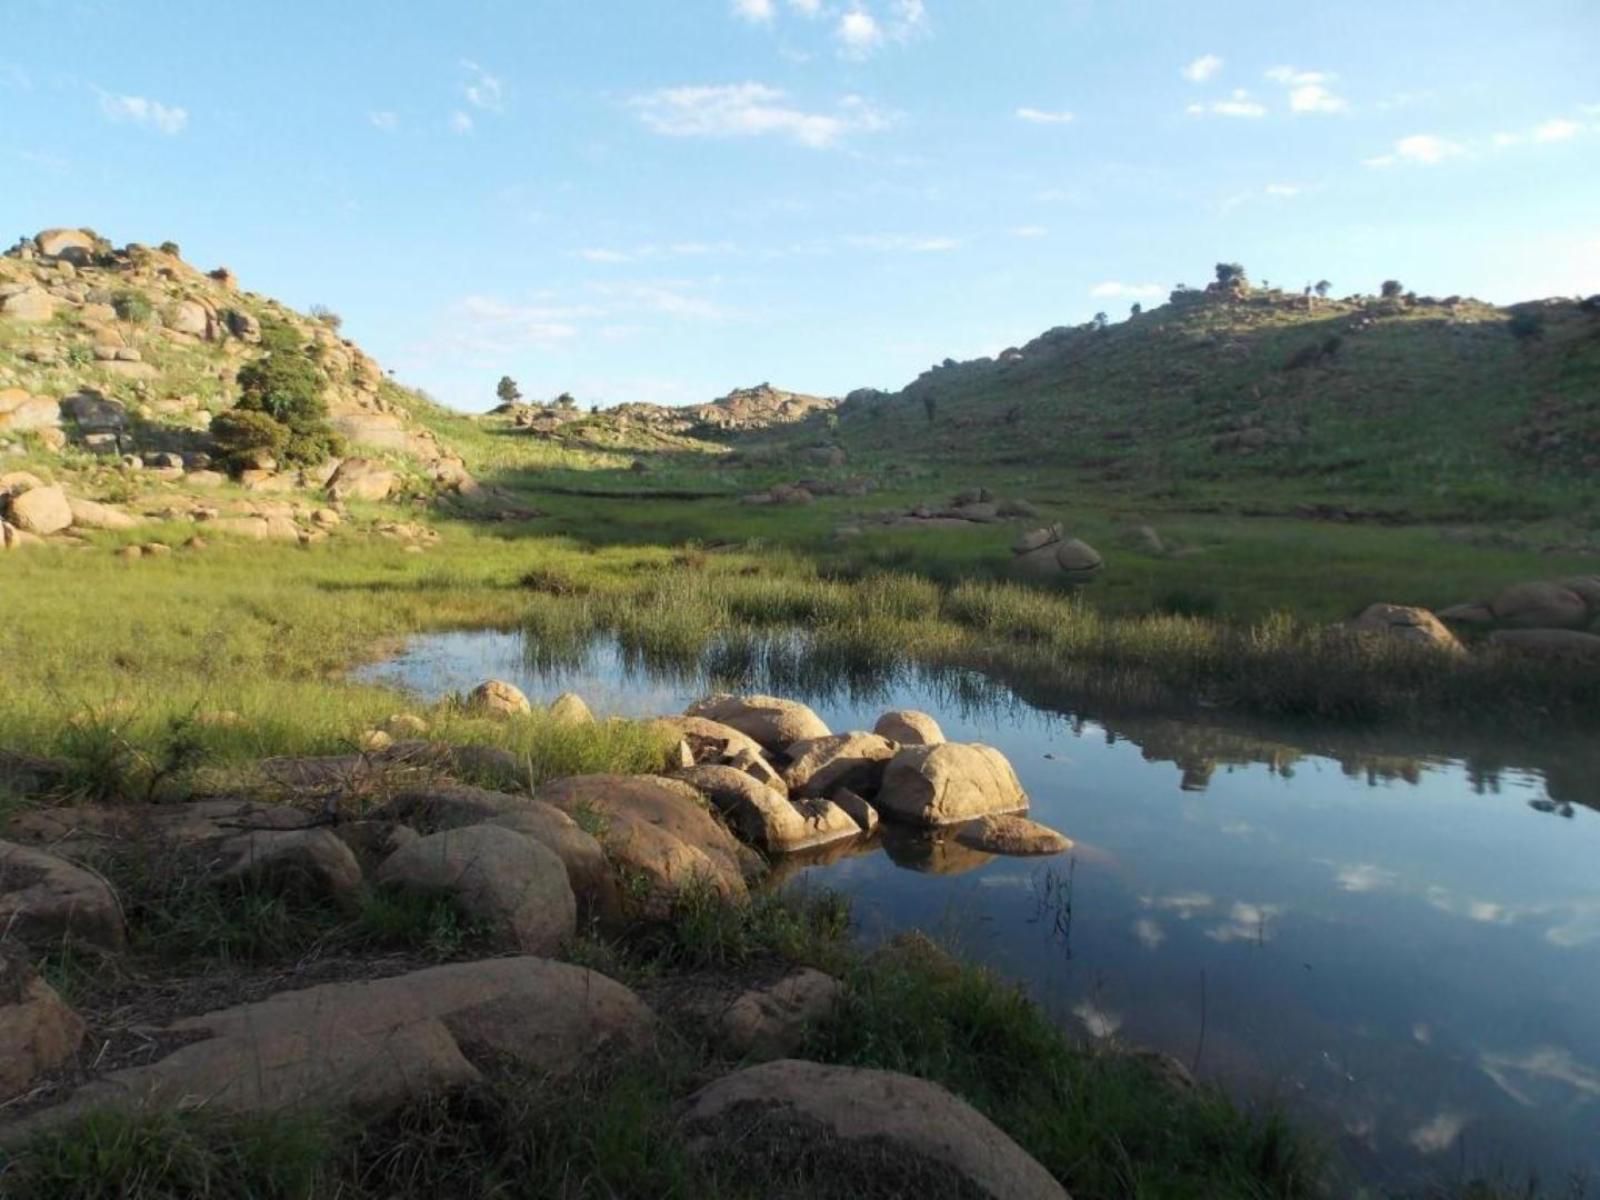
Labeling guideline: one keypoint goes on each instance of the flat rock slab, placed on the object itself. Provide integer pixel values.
(514, 886)
(45, 899)
(374, 1044)
(1011, 835)
(798, 1118)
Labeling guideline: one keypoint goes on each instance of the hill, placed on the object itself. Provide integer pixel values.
(1444, 407)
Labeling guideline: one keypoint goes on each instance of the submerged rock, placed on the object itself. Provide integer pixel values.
(1012, 835)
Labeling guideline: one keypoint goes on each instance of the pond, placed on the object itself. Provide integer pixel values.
(1400, 942)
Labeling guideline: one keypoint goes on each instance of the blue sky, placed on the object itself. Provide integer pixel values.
(663, 199)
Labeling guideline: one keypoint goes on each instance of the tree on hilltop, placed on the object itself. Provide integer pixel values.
(1322, 288)
(1392, 289)
(1229, 274)
(507, 390)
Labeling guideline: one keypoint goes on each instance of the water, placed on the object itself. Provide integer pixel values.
(1403, 945)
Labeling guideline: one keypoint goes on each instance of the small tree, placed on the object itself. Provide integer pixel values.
(1392, 289)
(1322, 288)
(240, 434)
(566, 401)
(285, 385)
(930, 405)
(1229, 274)
(321, 312)
(1135, 309)
(1101, 320)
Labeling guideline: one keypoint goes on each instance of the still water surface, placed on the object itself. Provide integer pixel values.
(1402, 945)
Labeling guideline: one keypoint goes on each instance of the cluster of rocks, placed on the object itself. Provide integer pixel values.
(1551, 619)
(1048, 554)
(528, 871)
(805, 491)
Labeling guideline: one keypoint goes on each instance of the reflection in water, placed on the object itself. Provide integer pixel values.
(1396, 936)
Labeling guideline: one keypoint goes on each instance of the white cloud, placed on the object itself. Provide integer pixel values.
(1557, 130)
(1202, 68)
(1111, 290)
(482, 90)
(1424, 149)
(1308, 90)
(1030, 231)
(386, 121)
(808, 8)
(1283, 190)
(752, 110)
(908, 243)
(486, 324)
(1185, 904)
(1043, 116)
(167, 119)
(755, 11)
(600, 255)
(858, 33)
(460, 122)
(1238, 104)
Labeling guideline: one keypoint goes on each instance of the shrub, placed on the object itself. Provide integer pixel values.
(321, 312)
(171, 248)
(1306, 356)
(241, 433)
(286, 385)
(1526, 326)
(133, 307)
(1229, 274)
(1392, 289)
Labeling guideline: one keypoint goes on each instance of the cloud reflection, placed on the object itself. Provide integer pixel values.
(1517, 1074)
(1439, 1133)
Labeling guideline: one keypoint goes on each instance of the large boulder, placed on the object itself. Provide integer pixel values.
(569, 708)
(949, 784)
(362, 479)
(908, 727)
(1417, 626)
(38, 1032)
(513, 885)
(588, 872)
(70, 244)
(32, 306)
(373, 1044)
(767, 818)
(908, 1135)
(45, 900)
(1066, 559)
(40, 511)
(659, 834)
(94, 412)
(821, 766)
(710, 741)
(190, 317)
(1539, 606)
(20, 411)
(774, 722)
(497, 698)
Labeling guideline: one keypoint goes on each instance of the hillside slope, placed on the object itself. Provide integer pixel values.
(1435, 404)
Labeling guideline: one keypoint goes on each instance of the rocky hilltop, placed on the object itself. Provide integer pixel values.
(119, 365)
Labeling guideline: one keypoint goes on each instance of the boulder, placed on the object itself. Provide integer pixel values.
(773, 722)
(1011, 835)
(20, 412)
(949, 784)
(909, 727)
(819, 766)
(40, 511)
(1417, 626)
(908, 1135)
(1077, 559)
(754, 764)
(710, 741)
(189, 317)
(12, 538)
(88, 514)
(1555, 645)
(764, 817)
(446, 804)
(857, 809)
(313, 864)
(45, 899)
(1586, 586)
(771, 1022)
(32, 306)
(1539, 606)
(361, 479)
(658, 833)
(94, 412)
(588, 872)
(514, 886)
(371, 1045)
(1474, 614)
(1036, 539)
(70, 244)
(497, 698)
(569, 709)
(38, 1031)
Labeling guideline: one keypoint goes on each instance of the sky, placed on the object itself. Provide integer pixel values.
(660, 200)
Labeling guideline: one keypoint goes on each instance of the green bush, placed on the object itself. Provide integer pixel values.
(286, 385)
(241, 433)
(133, 307)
